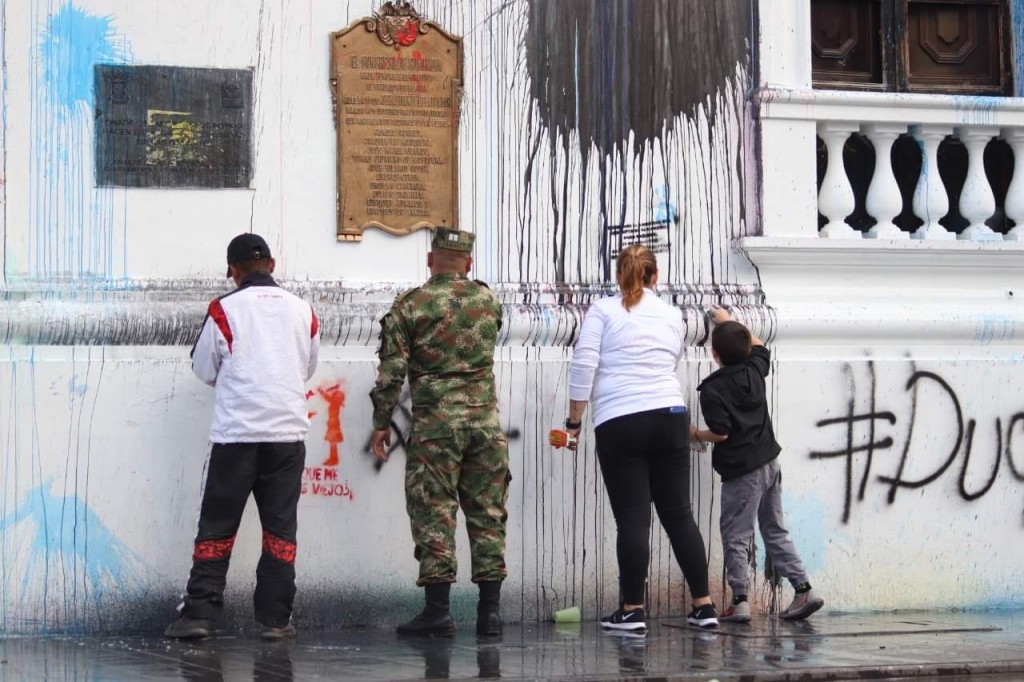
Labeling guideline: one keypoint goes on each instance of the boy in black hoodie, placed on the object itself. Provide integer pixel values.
(733, 403)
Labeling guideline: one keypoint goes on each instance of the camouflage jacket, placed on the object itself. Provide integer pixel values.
(442, 335)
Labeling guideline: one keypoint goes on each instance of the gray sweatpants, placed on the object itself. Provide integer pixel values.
(756, 495)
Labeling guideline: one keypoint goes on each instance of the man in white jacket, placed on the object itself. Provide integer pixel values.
(258, 347)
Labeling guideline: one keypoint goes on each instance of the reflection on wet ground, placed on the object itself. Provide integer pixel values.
(827, 647)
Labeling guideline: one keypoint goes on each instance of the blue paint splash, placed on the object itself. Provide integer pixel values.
(73, 43)
(806, 518)
(664, 210)
(981, 110)
(77, 386)
(73, 231)
(67, 537)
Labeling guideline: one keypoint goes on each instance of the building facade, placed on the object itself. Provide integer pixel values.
(765, 150)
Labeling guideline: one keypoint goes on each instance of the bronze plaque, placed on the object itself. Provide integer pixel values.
(396, 82)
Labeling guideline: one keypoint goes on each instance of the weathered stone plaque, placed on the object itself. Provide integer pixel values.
(396, 82)
(172, 126)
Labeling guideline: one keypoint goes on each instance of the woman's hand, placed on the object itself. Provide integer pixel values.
(574, 438)
(577, 408)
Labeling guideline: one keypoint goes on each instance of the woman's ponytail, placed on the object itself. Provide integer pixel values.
(634, 269)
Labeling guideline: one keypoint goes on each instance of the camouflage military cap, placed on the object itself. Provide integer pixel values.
(452, 240)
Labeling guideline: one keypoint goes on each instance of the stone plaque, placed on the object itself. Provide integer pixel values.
(396, 82)
(172, 126)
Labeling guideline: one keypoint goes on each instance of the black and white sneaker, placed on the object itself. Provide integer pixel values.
(704, 616)
(625, 620)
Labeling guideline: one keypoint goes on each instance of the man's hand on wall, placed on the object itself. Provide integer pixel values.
(380, 443)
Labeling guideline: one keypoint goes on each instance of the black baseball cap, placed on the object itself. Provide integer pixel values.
(246, 247)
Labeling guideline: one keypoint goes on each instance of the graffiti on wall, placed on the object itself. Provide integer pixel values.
(324, 480)
(916, 458)
(654, 234)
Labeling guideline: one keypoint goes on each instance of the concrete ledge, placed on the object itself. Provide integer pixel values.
(162, 313)
(826, 291)
(881, 253)
(858, 107)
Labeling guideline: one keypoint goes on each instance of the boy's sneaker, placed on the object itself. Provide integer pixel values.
(188, 628)
(737, 613)
(270, 634)
(625, 620)
(803, 605)
(704, 616)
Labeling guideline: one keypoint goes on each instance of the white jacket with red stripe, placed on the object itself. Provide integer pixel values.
(258, 347)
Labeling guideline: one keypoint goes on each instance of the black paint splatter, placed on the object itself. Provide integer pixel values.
(607, 74)
(607, 68)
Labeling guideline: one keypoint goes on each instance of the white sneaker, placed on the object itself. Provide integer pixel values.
(736, 613)
(802, 606)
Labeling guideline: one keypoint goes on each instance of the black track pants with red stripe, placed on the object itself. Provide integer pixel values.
(272, 472)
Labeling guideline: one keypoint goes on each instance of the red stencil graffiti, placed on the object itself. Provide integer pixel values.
(323, 481)
(335, 399)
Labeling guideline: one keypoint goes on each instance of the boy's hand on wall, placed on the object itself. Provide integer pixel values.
(719, 315)
(695, 442)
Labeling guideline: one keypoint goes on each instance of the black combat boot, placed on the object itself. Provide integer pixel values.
(434, 619)
(488, 610)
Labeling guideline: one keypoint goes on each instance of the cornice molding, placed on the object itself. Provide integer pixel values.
(817, 252)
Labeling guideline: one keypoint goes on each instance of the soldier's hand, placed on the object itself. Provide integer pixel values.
(380, 443)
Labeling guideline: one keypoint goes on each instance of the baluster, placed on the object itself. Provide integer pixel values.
(977, 203)
(1015, 193)
(884, 201)
(931, 199)
(835, 199)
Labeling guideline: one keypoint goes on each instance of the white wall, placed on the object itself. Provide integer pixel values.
(61, 226)
(102, 480)
(104, 429)
(897, 361)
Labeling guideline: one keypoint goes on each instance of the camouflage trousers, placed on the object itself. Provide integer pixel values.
(468, 468)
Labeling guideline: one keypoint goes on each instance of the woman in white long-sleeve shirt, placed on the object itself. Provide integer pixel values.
(625, 364)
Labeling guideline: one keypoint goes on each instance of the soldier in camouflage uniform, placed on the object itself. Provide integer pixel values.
(443, 335)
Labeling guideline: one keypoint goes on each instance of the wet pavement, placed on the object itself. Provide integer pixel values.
(948, 646)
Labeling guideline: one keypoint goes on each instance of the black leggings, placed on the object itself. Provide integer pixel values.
(645, 456)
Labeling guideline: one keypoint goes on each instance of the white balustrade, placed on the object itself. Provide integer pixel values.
(884, 201)
(931, 202)
(1015, 194)
(977, 202)
(835, 198)
(791, 116)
